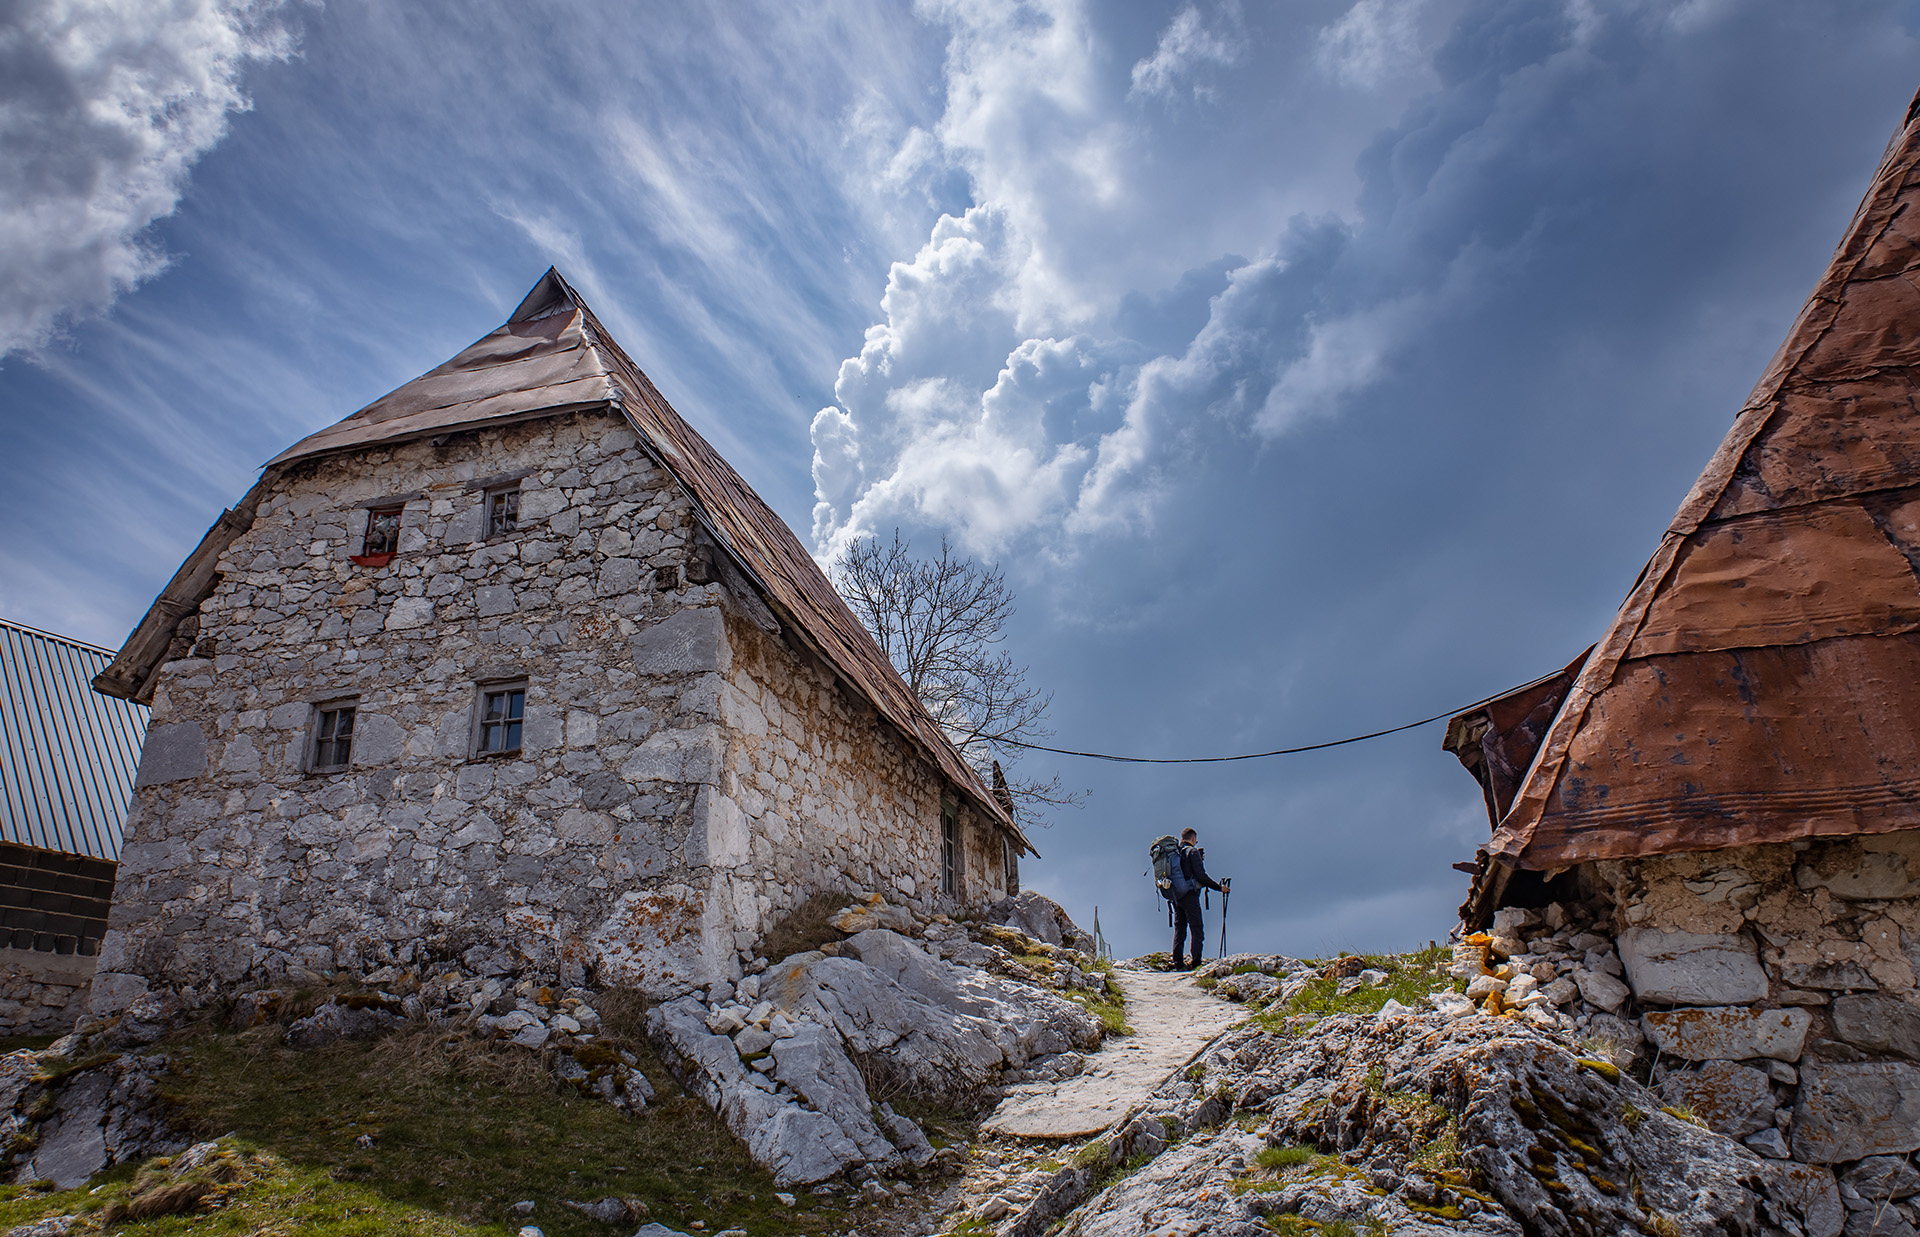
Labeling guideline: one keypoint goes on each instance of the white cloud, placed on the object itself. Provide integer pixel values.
(105, 105)
(1184, 47)
(1372, 42)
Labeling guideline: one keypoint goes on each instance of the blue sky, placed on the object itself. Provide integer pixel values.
(1309, 367)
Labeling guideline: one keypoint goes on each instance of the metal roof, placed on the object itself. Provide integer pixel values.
(553, 356)
(67, 753)
(1758, 683)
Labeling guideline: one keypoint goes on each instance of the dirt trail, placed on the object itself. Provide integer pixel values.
(1171, 1020)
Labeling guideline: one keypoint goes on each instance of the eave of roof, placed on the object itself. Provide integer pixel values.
(1756, 684)
(550, 357)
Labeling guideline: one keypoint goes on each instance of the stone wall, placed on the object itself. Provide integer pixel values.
(1769, 990)
(687, 770)
(42, 993)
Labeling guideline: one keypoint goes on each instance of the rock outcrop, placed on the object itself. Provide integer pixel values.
(91, 1099)
(1430, 1123)
(776, 1058)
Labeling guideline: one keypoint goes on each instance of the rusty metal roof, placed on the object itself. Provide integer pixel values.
(1758, 684)
(553, 356)
(67, 754)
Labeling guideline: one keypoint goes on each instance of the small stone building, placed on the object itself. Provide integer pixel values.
(511, 667)
(67, 759)
(1719, 803)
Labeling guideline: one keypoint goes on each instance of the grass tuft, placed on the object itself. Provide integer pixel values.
(1410, 977)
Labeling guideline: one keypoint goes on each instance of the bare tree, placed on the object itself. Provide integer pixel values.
(941, 622)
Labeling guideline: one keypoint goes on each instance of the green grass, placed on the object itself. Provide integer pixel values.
(1279, 1159)
(459, 1131)
(1109, 1005)
(1410, 977)
(282, 1199)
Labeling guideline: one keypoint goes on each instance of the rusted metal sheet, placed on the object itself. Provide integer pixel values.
(553, 356)
(531, 364)
(1782, 577)
(1757, 685)
(1497, 741)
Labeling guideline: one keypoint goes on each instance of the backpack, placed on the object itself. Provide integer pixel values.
(1169, 873)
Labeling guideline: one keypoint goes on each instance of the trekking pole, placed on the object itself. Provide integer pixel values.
(1226, 896)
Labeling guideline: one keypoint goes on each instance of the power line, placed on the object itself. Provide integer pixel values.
(1284, 751)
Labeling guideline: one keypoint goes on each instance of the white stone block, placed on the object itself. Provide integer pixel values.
(1687, 968)
(1729, 1033)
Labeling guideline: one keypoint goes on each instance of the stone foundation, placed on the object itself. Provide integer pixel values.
(42, 993)
(1768, 990)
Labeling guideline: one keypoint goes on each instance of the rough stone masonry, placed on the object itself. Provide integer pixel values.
(685, 770)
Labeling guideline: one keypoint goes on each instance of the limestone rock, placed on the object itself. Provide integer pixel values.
(1735, 1100)
(1561, 991)
(1879, 1221)
(1849, 1110)
(1623, 1038)
(874, 912)
(1809, 1193)
(1883, 1176)
(1599, 989)
(1879, 1024)
(1250, 987)
(334, 1021)
(1687, 968)
(1830, 976)
(1770, 1143)
(908, 1136)
(86, 1120)
(945, 1028)
(798, 1145)
(813, 1063)
(1374, 1092)
(1731, 1034)
(1041, 918)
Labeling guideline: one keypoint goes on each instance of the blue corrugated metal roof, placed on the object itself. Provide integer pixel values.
(67, 753)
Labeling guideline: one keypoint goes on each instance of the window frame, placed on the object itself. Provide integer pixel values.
(316, 724)
(950, 851)
(509, 494)
(482, 691)
(368, 557)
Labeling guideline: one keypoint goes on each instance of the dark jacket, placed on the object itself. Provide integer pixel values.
(1193, 859)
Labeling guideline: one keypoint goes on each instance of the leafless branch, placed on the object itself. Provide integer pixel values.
(940, 621)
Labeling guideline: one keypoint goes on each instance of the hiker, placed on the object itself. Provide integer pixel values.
(1186, 905)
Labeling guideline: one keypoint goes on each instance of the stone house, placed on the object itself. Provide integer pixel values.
(511, 666)
(1719, 803)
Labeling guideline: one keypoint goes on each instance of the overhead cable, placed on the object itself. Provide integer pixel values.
(1284, 751)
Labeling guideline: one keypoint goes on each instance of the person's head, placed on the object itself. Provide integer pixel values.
(1188, 837)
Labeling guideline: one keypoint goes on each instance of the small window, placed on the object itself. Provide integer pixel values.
(501, 711)
(332, 737)
(503, 511)
(383, 532)
(950, 848)
(1010, 857)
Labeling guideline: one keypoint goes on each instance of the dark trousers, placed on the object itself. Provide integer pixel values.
(1186, 918)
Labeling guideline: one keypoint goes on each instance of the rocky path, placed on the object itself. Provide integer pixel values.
(1171, 1021)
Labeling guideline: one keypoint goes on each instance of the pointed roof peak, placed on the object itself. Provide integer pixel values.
(1751, 687)
(551, 295)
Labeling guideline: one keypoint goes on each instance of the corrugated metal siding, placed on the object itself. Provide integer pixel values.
(67, 753)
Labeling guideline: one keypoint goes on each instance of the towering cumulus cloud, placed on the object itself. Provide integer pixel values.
(104, 107)
(1186, 243)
